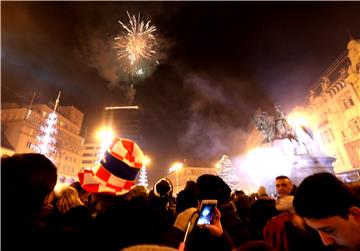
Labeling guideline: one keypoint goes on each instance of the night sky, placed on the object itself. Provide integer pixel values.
(219, 63)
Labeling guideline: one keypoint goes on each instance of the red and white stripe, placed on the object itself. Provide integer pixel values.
(100, 180)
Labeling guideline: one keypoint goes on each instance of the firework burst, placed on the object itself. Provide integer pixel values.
(137, 47)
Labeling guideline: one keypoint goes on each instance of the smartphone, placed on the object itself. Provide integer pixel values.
(207, 210)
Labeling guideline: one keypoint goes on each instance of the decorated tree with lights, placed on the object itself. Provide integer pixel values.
(45, 142)
(143, 180)
(226, 171)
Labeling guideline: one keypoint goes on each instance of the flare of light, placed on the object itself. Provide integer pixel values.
(146, 160)
(105, 136)
(297, 119)
(137, 45)
(259, 167)
(176, 167)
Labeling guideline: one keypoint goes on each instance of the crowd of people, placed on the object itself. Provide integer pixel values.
(105, 210)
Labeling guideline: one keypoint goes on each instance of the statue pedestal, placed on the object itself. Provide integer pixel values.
(307, 164)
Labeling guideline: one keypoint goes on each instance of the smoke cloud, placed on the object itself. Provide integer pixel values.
(210, 128)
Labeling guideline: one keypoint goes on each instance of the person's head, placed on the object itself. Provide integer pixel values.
(28, 179)
(190, 186)
(212, 187)
(83, 194)
(331, 208)
(163, 188)
(262, 191)
(283, 185)
(68, 198)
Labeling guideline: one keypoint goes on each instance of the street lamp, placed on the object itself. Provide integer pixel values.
(176, 167)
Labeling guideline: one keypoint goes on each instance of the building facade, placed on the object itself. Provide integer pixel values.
(20, 126)
(188, 172)
(125, 121)
(90, 155)
(332, 110)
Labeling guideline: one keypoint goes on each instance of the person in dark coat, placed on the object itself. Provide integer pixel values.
(27, 179)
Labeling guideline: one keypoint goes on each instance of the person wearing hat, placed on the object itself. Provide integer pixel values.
(162, 204)
(121, 220)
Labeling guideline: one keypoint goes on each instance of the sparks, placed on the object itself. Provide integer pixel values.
(138, 44)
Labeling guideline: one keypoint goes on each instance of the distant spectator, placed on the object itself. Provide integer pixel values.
(83, 194)
(187, 197)
(161, 204)
(68, 198)
(284, 186)
(260, 212)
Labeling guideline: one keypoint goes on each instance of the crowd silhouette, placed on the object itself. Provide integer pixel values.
(106, 211)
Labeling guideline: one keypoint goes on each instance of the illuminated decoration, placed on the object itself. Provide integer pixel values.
(105, 136)
(226, 171)
(45, 142)
(128, 107)
(136, 48)
(143, 180)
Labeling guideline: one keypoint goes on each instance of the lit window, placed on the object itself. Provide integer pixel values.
(331, 135)
(355, 125)
(350, 101)
(87, 162)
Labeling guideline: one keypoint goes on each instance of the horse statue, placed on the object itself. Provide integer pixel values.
(277, 128)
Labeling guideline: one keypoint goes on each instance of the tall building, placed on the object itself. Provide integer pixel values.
(20, 126)
(90, 155)
(125, 121)
(332, 110)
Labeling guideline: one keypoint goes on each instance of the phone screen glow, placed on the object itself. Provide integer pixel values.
(206, 214)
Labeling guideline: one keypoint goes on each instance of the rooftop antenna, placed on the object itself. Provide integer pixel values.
(29, 109)
(57, 101)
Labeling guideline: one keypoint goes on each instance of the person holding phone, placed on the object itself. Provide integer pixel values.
(207, 233)
(207, 210)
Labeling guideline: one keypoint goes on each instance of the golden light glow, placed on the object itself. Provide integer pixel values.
(146, 160)
(105, 135)
(297, 119)
(127, 107)
(176, 167)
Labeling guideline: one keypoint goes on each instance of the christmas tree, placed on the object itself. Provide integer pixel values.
(143, 181)
(45, 141)
(226, 171)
